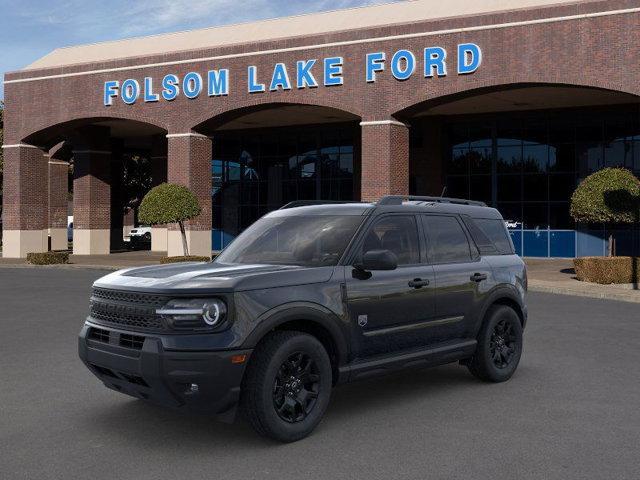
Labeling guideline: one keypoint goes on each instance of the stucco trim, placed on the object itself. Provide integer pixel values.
(190, 134)
(383, 122)
(21, 145)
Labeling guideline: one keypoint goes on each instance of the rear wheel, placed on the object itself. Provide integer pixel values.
(287, 386)
(499, 345)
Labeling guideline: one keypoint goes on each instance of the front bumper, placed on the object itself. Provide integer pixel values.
(138, 365)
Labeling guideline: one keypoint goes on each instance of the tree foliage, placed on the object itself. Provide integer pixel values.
(170, 203)
(136, 179)
(611, 195)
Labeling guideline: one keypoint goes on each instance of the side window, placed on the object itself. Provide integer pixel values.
(447, 241)
(396, 233)
(496, 230)
(484, 243)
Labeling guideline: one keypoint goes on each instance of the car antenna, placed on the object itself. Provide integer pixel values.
(444, 190)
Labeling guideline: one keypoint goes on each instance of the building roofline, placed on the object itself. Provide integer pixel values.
(283, 28)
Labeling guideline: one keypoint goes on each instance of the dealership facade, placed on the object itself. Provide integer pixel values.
(512, 107)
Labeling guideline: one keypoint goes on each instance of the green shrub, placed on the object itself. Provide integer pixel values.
(48, 258)
(186, 258)
(170, 203)
(607, 270)
(611, 195)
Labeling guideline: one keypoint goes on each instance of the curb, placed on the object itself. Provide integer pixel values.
(616, 296)
(65, 266)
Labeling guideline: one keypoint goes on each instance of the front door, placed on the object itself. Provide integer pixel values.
(390, 309)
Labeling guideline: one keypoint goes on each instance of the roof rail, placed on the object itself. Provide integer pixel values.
(306, 203)
(398, 199)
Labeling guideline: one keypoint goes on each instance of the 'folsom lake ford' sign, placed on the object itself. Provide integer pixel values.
(310, 73)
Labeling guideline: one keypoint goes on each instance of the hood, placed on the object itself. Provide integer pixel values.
(187, 277)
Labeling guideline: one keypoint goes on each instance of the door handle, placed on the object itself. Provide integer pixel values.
(418, 283)
(478, 277)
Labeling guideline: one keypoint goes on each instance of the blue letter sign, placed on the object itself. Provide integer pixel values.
(402, 66)
(469, 58)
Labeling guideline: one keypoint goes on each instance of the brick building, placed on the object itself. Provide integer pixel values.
(509, 102)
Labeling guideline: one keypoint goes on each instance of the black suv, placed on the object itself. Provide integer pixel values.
(310, 296)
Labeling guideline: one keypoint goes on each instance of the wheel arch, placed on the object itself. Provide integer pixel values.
(312, 319)
(508, 298)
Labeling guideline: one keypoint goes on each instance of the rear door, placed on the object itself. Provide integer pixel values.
(461, 275)
(389, 309)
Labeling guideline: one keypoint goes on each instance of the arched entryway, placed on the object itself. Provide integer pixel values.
(523, 149)
(112, 162)
(268, 155)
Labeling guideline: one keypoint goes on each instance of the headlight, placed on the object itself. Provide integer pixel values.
(194, 313)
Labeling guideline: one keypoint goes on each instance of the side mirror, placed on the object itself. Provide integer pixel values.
(378, 260)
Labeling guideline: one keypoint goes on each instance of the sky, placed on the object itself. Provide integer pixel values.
(29, 29)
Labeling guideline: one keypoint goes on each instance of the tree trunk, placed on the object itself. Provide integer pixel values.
(185, 247)
(610, 253)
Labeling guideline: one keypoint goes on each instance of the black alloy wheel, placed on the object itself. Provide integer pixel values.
(499, 345)
(287, 385)
(503, 344)
(296, 387)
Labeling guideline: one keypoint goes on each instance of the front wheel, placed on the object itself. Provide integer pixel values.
(287, 386)
(499, 345)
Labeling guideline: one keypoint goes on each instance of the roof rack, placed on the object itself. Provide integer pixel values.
(306, 203)
(398, 199)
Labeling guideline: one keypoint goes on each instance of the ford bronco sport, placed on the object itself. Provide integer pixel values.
(310, 296)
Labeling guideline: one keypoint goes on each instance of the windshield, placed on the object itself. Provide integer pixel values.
(312, 241)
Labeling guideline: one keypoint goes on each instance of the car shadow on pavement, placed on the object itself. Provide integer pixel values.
(138, 421)
(397, 389)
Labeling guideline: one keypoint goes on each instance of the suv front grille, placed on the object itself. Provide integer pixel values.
(129, 310)
(129, 297)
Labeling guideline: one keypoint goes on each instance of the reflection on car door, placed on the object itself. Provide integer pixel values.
(389, 308)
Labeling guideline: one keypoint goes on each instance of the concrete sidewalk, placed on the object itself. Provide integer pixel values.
(558, 276)
(115, 261)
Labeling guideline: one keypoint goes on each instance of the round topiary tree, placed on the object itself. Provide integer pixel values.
(611, 195)
(170, 203)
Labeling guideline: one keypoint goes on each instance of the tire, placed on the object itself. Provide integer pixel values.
(499, 345)
(287, 386)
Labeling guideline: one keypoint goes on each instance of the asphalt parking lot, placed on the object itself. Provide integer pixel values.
(571, 410)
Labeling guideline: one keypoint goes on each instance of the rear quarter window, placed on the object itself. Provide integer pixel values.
(495, 232)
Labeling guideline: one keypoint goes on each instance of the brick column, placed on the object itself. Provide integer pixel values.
(58, 191)
(158, 175)
(25, 212)
(189, 164)
(385, 159)
(91, 191)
